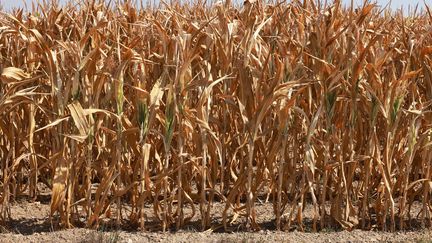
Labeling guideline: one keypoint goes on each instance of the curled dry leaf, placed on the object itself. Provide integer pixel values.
(13, 74)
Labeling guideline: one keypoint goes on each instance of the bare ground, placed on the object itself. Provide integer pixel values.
(30, 223)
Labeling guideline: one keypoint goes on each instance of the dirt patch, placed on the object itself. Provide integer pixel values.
(30, 223)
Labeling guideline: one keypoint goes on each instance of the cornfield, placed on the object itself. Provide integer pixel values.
(133, 112)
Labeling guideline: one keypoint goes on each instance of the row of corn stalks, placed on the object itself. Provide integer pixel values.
(121, 108)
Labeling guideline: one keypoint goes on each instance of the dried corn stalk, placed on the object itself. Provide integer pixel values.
(135, 114)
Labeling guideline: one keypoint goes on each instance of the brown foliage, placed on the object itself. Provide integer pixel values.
(115, 108)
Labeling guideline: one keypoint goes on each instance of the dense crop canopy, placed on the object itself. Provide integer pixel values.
(115, 108)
